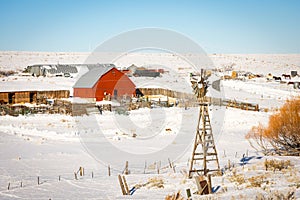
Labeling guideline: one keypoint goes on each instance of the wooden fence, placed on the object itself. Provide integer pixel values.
(190, 100)
(241, 105)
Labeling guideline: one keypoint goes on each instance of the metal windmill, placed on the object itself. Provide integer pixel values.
(204, 157)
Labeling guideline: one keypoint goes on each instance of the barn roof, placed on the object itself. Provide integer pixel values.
(89, 79)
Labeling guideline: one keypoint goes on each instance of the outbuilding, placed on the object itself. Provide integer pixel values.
(104, 81)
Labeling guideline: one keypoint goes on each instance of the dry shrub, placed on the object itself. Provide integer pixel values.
(282, 132)
(63, 120)
(277, 164)
(256, 181)
(238, 178)
(7, 73)
(276, 195)
(155, 182)
(256, 134)
(175, 196)
(152, 182)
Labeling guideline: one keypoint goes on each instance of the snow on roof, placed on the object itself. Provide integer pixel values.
(18, 84)
(89, 79)
(47, 67)
(32, 87)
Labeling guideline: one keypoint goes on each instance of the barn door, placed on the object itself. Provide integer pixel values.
(11, 98)
(115, 94)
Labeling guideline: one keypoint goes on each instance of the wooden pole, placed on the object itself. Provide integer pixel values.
(38, 180)
(21, 184)
(125, 185)
(92, 174)
(8, 186)
(121, 184)
(59, 178)
(209, 184)
(188, 194)
(108, 170)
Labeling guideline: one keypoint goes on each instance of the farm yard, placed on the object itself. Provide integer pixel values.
(50, 156)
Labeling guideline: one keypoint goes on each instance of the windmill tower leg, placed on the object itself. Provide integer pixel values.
(204, 146)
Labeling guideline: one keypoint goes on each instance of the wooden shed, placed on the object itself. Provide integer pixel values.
(102, 81)
(14, 97)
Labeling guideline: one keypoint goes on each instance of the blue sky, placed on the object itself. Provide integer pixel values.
(249, 26)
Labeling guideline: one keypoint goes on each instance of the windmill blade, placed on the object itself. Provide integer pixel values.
(216, 85)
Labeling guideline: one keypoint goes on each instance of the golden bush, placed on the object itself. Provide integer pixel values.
(282, 132)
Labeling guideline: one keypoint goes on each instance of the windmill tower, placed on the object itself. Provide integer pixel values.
(204, 156)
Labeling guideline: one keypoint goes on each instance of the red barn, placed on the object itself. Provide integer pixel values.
(103, 80)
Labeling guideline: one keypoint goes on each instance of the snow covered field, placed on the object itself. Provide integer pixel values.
(53, 147)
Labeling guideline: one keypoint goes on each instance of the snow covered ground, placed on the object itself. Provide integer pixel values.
(53, 147)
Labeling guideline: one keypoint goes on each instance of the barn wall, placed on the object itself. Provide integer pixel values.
(84, 92)
(3, 97)
(22, 97)
(125, 86)
(113, 80)
(54, 94)
(37, 96)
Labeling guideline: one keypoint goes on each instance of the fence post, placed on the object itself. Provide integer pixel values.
(38, 180)
(158, 164)
(170, 164)
(108, 170)
(81, 171)
(145, 167)
(209, 184)
(92, 174)
(243, 161)
(75, 174)
(188, 193)
(8, 186)
(122, 185)
(126, 168)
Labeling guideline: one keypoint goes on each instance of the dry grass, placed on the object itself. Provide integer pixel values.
(277, 165)
(6, 73)
(238, 178)
(257, 181)
(155, 182)
(277, 195)
(63, 120)
(175, 196)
